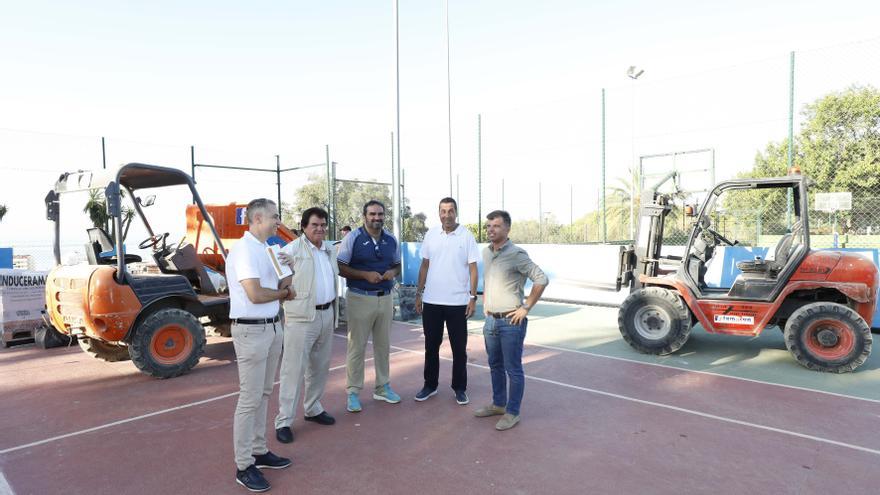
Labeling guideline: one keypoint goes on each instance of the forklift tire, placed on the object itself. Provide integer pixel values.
(830, 337)
(654, 320)
(167, 343)
(111, 353)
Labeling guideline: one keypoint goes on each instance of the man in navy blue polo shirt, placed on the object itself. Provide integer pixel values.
(369, 258)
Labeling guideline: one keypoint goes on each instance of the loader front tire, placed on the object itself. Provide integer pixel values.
(167, 343)
(654, 320)
(111, 353)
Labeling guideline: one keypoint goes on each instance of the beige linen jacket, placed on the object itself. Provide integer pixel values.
(302, 307)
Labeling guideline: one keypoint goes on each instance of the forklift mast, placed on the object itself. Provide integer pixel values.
(643, 257)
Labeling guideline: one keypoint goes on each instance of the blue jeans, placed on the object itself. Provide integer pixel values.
(504, 345)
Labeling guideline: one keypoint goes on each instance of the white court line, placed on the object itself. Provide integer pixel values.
(678, 409)
(710, 373)
(5, 489)
(680, 368)
(137, 418)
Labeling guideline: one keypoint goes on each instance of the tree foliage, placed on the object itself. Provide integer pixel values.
(838, 147)
(350, 200)
(96, 209)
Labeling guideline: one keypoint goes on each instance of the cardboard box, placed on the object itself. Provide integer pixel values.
(22, 298)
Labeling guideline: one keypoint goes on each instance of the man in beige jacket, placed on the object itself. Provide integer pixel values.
(309, 322)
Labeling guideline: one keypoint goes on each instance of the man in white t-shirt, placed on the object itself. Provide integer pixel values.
(257, 332)
(447, 293)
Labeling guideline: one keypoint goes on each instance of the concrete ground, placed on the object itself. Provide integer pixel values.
(724, 415)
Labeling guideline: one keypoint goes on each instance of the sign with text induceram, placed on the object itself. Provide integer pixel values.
(22, 297)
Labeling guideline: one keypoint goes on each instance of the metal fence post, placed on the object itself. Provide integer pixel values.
(790, 200)
(602, 191)
(332, 206)
(479, 178)
(278, 182)
(327, 164)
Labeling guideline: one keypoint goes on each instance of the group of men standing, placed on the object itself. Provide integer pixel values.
(369, 258)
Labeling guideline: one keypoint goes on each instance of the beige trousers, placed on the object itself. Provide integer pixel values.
(368, 316)
(306, 360)
(257, 349)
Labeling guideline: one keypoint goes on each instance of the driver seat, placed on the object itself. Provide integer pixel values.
(183, 260)
(781, 254)
(101, 251)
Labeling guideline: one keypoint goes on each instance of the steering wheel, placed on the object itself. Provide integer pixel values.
(721, 238)
(152, 241)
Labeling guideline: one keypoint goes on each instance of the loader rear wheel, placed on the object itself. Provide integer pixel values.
(826, 336)
(102, 350)
(167, 343)
(654, 320)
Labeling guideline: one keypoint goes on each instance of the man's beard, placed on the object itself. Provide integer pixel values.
(377, 224)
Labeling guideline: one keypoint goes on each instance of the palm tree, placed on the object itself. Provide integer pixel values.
(618, 207)
(96, 208)
(3, 210)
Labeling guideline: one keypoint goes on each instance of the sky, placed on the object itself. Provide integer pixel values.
(245, 81)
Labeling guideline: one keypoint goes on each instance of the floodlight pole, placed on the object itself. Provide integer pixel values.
(448, 99)
(395, 174)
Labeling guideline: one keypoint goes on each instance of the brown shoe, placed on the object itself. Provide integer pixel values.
(492, 410)
(506, 422)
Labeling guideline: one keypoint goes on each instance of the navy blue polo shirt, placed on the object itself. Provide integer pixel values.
(359, 251)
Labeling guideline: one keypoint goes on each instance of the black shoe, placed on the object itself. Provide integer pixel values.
(322, 419)
(425, 393)
(284, 434)
(252, 479)
(271, 461)
(461, 397)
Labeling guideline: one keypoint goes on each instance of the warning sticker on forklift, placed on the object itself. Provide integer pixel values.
(735, 319)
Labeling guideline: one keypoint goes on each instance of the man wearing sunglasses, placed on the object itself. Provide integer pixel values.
(369, 258)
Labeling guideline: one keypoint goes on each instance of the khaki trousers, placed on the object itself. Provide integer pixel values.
(368, 316)
(257, 349)
(306, 360)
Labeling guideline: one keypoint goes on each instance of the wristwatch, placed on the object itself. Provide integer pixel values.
(526, 307)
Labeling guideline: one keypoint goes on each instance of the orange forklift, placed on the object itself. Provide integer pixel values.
(823, 300)
(155, 319)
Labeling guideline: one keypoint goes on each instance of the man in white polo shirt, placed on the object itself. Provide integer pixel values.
(447, 293)
(254, 296)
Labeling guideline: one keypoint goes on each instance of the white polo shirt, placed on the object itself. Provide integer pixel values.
(323, 272)
(449, 279)
(248, 259)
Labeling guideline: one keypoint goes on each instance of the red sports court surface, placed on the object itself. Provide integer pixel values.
(71, 424)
